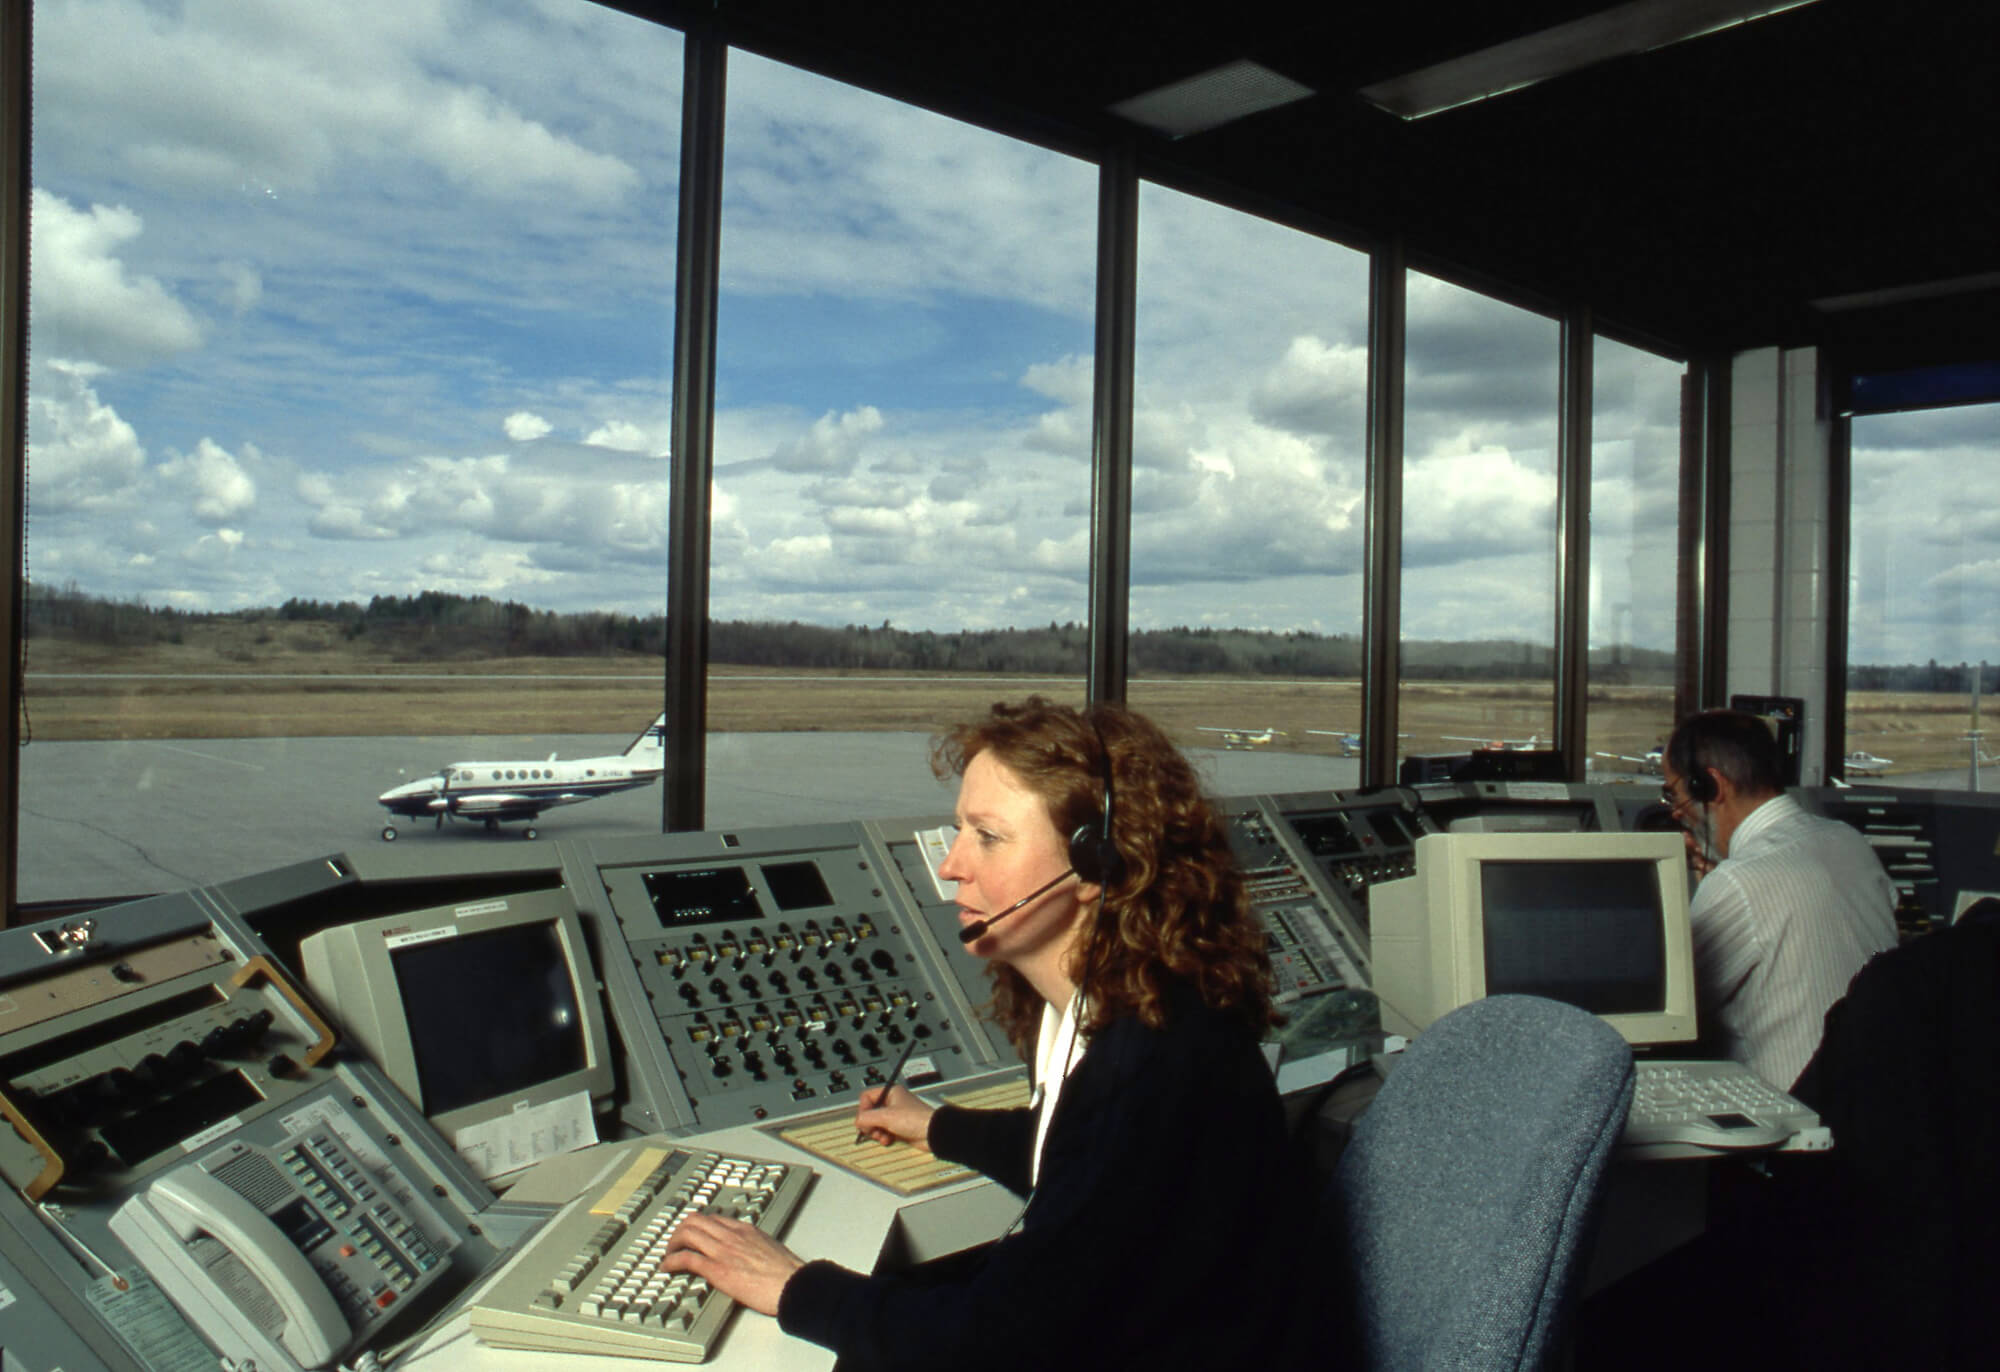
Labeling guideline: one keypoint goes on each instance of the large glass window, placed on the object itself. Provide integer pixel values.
(1635, 459)
(1248, 452)
(1923, 638)
(347, 419)
(1479, 523)
(901, 516)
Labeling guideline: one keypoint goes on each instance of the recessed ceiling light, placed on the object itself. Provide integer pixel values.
(1640, 26)
(1908, 294)
(1211, 99)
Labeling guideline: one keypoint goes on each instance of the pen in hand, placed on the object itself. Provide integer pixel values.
(861, 1136)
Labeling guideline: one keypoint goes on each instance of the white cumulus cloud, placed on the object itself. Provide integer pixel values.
(86, 305)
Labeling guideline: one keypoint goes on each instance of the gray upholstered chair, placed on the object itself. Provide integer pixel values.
(1466, 1195)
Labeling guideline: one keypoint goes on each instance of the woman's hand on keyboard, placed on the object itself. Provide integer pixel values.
(737, 1259)
(893, 1114)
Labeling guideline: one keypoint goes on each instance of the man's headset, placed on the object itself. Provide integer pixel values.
(1093, 853)
(1681, 757)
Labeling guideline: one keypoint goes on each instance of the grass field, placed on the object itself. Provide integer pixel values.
(297, 680)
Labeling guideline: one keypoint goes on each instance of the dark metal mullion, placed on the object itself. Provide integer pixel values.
(1572, 598)
(1382, 551)
(1111, 425)
(15, 143)
(697, 276)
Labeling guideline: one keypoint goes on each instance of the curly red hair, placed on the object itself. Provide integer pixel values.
(1177, 911)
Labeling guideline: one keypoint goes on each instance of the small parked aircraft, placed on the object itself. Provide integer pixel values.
(1860, 762)
(501, 792)
(1499, 745)
(1652, 763)
(1244, 738)
(1348, 739)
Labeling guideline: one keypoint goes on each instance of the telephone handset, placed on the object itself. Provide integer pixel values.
(288, 1257)
(194, 1203)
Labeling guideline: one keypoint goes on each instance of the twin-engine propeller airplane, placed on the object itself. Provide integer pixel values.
(502, 792)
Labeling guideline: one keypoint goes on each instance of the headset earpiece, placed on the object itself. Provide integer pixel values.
(1699, 784)
(1093, 853)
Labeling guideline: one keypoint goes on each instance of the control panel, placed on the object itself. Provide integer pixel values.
(186, 1158)
(184, 1036)
(1312, 948)
(1356, 843)
(779, 975)
(1899, 827)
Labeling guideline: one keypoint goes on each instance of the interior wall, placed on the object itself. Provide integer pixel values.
(1780, 530)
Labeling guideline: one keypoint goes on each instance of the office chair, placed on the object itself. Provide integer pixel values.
(1466, 1195)
(1899, 1263)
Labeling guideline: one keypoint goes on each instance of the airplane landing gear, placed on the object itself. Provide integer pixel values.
(388, 833)
(528, 832)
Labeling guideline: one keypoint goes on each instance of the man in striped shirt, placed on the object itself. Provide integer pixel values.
(1790, 905)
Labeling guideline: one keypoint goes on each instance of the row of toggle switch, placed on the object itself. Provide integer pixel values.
(779, 982)
(753, 947)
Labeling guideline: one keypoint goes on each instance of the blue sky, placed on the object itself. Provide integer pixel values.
(333, 301)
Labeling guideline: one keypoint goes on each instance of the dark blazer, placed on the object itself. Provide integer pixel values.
(1161, 1235)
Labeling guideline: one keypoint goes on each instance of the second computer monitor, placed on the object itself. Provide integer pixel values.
(1596, 920)
(477, 1011)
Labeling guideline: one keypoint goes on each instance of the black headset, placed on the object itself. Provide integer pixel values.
(1093, 853)
(1681, 757)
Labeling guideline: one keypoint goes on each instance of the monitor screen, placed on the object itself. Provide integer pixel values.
(1588, 933)
(1598, 920)
(483, 1014)
(465, 1052)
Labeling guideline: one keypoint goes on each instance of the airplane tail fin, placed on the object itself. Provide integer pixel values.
(653, 740)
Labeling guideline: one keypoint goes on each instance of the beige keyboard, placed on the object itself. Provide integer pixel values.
(1712, 1104)
(589, 1280)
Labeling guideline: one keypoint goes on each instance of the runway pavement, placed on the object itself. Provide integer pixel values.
(117, 820)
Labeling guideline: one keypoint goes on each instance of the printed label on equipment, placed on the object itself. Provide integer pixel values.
(142, 1315)
(423, 936)
(528, 1135)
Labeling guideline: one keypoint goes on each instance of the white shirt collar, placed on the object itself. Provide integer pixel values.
(1056, 1052)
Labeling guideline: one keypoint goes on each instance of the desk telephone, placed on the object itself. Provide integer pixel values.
(291, 1255)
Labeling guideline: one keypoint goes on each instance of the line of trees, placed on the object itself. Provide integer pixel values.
(441, 624)
(1930, 676)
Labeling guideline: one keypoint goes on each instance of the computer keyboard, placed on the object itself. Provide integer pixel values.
(1712, 1104)
(589, 1280)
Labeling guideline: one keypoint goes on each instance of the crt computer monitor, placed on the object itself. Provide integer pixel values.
(1597, 920)
(474, 1011)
